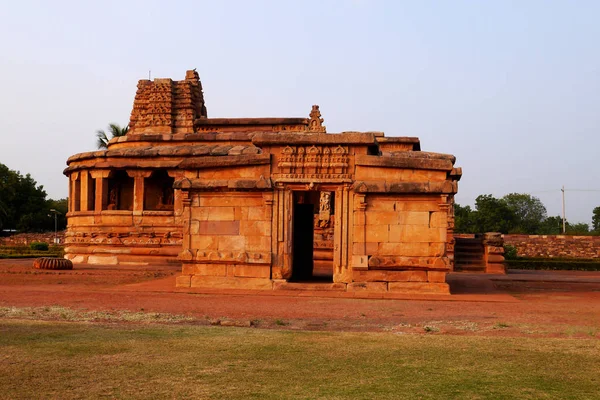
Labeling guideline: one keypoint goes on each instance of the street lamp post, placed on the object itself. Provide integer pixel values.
(55, 212)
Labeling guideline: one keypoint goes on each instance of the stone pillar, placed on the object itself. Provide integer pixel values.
(177, 196)
(448, 222)
(74, 197)
(341, 236)
(138, 189)
(286, 245)
(493, 247)
(101, 178)
(278, 215)
(360, 256)
(83, 201)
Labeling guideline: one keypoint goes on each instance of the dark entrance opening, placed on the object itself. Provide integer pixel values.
(304, 235)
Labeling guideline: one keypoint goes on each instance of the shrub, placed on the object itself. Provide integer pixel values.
(41, 246)
(510, 252)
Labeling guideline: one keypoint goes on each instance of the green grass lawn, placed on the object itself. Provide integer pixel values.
(69, 360)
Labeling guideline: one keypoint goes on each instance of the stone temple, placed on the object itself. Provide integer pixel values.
(262, 203)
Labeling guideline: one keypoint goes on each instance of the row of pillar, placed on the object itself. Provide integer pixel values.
(81, 192)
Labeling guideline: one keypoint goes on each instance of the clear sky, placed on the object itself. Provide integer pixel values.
(511, 88)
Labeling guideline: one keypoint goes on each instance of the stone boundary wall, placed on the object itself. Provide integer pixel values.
(555, 245)
(21, 239)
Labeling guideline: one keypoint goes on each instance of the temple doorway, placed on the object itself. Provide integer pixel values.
(312, 236)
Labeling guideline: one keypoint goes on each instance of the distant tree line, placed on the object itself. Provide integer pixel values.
(516, 213)
(24, 206)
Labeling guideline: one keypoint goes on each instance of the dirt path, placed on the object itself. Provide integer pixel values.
(557, 304)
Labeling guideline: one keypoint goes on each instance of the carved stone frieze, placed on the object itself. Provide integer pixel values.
(125, 238)
(320, 162)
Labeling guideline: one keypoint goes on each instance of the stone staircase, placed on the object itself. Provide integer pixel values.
(469, 254)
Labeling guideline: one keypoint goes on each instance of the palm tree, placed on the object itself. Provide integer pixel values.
(114, 129)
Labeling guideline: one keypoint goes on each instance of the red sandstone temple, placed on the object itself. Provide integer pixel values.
(262, 203)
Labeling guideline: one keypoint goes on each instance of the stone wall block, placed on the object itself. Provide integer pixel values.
(419, 288)
(231, 201)
(436, 276)
(251, 271)
(219, 228)
(365, 248)
(377, 233)
(255, 228)
(411, 249)
(221, 213)
(381, 217)
(231, 243)
(416, 233)
(414, 218)
(204, 242)
(257, 214)
(258, 243)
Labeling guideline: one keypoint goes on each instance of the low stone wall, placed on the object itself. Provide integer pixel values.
(555, 245)
(21, 239)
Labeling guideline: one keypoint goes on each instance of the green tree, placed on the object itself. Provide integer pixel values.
(529, 212)
(596, 220)
(550, 226)
(114, 130)
(580, 228)
(464, 221)
(493, 215)
(23, 203)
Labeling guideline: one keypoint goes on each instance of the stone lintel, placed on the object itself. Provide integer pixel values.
(286, 138)
(210, 184)
(411, 161)
(225, 161)
(448, 187)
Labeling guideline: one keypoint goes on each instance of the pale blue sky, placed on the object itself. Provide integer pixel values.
(511, 88)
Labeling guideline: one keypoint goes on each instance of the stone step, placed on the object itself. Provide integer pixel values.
(470, 268)
(310, 286)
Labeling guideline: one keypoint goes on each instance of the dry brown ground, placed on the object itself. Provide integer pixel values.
(521, 303)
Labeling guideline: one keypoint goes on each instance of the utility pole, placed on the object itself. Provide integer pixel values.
(563, 210)
(55, 212)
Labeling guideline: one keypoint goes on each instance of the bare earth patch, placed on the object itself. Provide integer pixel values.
(533, 303)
